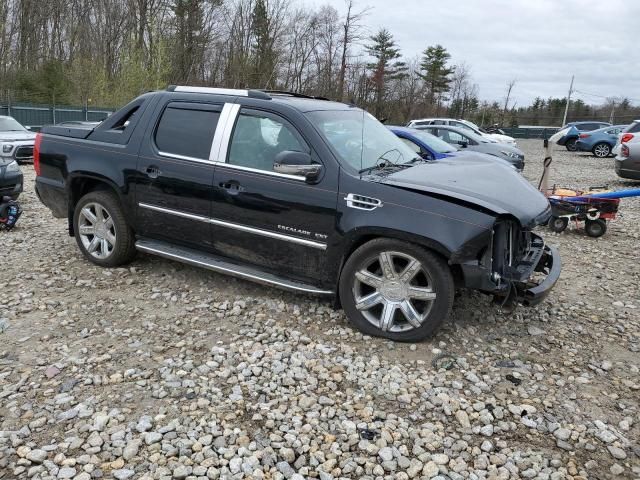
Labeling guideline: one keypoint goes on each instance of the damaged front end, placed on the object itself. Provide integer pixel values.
(515, 266)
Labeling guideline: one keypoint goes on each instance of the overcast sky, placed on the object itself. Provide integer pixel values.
(540, 43)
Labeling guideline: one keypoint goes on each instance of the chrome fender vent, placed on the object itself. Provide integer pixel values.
(361, 202)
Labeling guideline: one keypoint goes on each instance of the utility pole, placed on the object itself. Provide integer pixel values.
(566, 107)
(613, 111)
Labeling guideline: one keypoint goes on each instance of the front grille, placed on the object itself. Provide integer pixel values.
(24, 153)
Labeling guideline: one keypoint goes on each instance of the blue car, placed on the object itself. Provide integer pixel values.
(430, 147)
(569, 134)
(600, 142)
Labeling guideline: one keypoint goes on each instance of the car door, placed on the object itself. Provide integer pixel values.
(175, 174)
(271, 220)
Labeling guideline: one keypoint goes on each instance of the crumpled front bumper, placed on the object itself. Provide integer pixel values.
(519, 286)
(549, 264)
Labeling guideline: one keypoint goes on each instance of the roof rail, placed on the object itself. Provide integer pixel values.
(293, 94)
(220, 91)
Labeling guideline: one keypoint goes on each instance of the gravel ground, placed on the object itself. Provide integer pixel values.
(165, 371)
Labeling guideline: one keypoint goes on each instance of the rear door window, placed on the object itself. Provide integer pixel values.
(633, 128)
(187, 129)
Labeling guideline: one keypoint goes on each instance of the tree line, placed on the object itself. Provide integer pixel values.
(106, 52)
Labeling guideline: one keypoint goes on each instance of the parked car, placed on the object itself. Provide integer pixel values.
(630, 134)
(600, 142)
(11, 180)
(300, 193)
(16, 141)
(430, 147)
(627, 162)
(468, 140)
(464, 124)
(568, 135)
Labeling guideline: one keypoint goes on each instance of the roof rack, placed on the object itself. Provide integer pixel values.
(220, 91)
(293, 94)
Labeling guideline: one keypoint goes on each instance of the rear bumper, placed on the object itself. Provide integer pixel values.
(583, 147)
(53, 196)
(11, 185)
(628, 168)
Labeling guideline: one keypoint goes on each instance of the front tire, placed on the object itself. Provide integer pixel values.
(396, 290)
(601, 150)
(571, 144)
(101, 230)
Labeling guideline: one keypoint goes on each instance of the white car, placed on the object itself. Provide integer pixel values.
(631, 134)
(16, 142)
(466, 124)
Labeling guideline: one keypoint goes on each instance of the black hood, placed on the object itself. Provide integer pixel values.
(491, 185)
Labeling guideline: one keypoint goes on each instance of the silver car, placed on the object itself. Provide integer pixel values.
(463, 138)
(628, 160)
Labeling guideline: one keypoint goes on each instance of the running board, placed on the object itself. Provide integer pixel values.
(217, 264)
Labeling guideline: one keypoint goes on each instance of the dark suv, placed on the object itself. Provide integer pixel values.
(300, 193)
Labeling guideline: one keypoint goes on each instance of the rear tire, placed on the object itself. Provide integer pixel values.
(571, 144)
(397, 290)
(558, 224)
(601, 150)
(595, 228)
(101, 230)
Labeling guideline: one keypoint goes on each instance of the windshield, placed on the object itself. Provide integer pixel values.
(8, 124)
(434, 143)
(361, 140)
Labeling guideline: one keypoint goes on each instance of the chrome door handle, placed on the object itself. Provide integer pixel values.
(153, 171)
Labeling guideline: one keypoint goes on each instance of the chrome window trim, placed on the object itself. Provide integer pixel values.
(257, 170)
(185, 157)
(225, 141)
(236, 226)
(220, 137)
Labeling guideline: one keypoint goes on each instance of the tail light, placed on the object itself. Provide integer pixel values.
(624, 151)
(36, 154)
(584, 135)
(626, 137)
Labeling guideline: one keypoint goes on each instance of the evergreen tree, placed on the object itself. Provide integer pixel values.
(387, 66)
(435, 72)
(263, 51)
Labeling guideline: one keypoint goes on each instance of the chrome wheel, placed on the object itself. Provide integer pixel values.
(97, 231)
(393, 291)
(602, 150)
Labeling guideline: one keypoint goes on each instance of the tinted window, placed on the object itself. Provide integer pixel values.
(438, 122)
(633, 128)
(186, 131)
(587, 126)
(258, 138)
(413, 146)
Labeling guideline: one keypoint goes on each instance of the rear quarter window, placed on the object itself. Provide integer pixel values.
(186, 131)
(633, 128)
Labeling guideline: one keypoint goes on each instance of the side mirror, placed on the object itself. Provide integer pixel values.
(27, 127)
(463, 144)
(426, 155)
(298, 164)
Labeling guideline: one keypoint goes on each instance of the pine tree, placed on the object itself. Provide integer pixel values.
(387, 66)
(263, 51)
(435, 72)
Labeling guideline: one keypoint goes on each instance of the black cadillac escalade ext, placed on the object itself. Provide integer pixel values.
(300, 193)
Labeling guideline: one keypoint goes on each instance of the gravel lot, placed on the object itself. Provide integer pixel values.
(165, 371)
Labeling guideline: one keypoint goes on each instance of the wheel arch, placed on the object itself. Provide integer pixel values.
(358, 238)
(81, 184)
